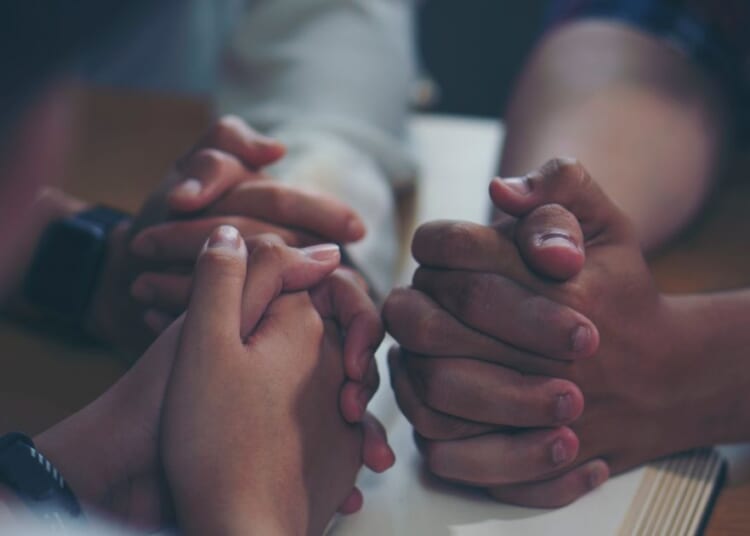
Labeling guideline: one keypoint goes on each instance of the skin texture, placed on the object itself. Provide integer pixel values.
(648, 123)
(110, 452)
(637, 388)
(133, 466)
(27, 160)
(493, 312)
(219, 182)
(293, 393)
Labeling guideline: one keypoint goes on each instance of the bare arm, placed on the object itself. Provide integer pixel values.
(52, 204)
(647, 123)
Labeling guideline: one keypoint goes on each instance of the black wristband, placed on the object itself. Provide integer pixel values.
(68, 262)
(36, 481)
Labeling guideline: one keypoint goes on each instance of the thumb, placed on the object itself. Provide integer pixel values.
(565, 182)
(208, 175)
(550, 240)
(213, 315)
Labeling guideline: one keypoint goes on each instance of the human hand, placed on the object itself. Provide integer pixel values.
(108, 451)
(254, 396)
(220, 181)
(515, 349)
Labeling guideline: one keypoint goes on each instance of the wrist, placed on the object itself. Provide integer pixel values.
(208, 503)
(207, 518)
(51, 205)
(240, 526)
(712, 342)
(83, 448)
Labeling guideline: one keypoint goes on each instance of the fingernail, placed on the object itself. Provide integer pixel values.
(518, 184)
(556, 239)
(355, 229)
(581, 339)
(323, 252)
(142, 292)
(189, 188)
(225, 236)
(143, 246)
(559, 452)
(564, 410)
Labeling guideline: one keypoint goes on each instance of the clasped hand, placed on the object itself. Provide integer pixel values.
(147, 276)
(536, 355)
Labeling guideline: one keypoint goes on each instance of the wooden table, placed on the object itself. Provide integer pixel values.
(124, 145)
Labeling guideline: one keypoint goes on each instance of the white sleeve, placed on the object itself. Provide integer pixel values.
(332, 79)
(342, 66)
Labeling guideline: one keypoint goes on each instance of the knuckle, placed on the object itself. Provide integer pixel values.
(576, 294)
(426, 423)
(457, 239)
(553, 212)
(208, 162)
(226, 127)
(473, 293)
(434, 330)
(568, 172)
(269, 240)
(268, 248)
(411, 329)
(438, 241)
(547, 315)
(436, 427)
(433, 384)
(423, 339)
(221, 263)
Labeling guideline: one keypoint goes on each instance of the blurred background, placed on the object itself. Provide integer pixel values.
(473, 55)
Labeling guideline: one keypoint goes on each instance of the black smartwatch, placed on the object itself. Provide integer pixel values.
(37, 482)
(68, 262)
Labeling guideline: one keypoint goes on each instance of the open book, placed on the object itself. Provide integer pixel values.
(668, 497)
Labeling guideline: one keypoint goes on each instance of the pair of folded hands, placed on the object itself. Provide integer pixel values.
(535, 355)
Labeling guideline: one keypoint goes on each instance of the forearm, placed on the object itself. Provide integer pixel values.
(244, 523)
(84, 448)
(646, 123)
(52, 204)
(713, 341)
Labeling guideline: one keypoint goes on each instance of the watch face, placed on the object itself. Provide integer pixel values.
(67, 264)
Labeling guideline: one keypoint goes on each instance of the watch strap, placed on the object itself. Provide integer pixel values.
(37, 482)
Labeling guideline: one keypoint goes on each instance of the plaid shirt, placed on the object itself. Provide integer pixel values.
(713, 33)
